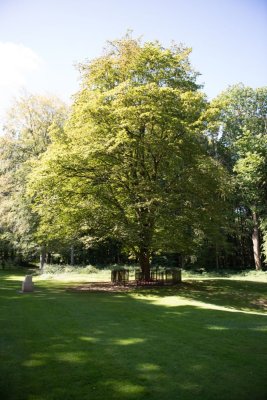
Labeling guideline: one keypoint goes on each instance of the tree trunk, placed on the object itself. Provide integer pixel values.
(42, 258)
(146, 219)
(183, 261)
(48, 258)
(256, 242)
(72, 255)
(217, 256)
(144, 256)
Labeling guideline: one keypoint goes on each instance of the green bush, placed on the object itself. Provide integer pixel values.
(62, 269)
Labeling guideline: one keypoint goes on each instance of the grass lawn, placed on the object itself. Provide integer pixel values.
(205, 339)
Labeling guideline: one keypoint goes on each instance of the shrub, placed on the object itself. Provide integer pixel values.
(62, 269)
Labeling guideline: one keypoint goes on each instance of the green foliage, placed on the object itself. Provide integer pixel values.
(26, 137)
(130, 163)
(62, 269)
(138, 170)
(238, 119)
(251, 168)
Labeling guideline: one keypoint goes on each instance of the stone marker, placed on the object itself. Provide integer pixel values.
(27, 285)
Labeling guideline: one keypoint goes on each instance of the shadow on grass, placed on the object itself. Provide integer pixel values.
(58, 345)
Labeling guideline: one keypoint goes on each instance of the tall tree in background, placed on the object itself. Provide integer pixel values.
(26, 137)
(239, 118)
(130, 163)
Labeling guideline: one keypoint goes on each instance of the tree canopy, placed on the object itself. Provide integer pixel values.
(131, 163)
(141, 166)
(239, 117)
(26, 137)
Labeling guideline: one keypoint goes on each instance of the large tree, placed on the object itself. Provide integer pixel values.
(26, 136)
(131, 163)
(239, 119)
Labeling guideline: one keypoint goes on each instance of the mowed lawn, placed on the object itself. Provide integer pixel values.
(203, 339)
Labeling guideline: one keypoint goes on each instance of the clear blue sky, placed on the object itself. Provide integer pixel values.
(41, 40)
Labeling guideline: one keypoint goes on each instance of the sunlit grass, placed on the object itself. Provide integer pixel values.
(247, 275)
(179, 301)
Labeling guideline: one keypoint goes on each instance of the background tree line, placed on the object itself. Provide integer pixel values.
(141, 167)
